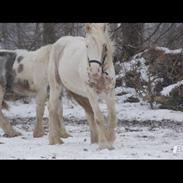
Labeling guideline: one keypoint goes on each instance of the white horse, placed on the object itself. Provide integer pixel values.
(84, 66)
(26, 73)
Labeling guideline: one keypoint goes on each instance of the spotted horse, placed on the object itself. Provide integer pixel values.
(25, 72)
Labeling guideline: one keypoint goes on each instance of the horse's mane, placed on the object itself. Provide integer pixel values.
(96, 32)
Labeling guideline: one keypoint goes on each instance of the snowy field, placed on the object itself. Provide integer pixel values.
(142, 133)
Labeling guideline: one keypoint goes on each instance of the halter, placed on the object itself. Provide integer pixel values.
(101, 64)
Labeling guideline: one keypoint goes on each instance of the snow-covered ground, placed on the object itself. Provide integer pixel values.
(139, 135)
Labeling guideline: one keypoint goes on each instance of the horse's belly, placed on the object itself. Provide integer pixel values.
(23, 87)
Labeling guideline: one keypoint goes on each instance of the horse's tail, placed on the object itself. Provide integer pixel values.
(5, 105)
(55, 55)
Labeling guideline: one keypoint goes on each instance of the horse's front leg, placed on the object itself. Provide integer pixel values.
(40, 106)
(93, 128)
(99, 120)
(112, 119)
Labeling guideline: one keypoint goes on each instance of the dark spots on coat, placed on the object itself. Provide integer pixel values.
(22, 87)
(19, 59)
(20, 68)
(26, 84)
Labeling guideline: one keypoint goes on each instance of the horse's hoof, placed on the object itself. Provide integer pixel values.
(110, 136)
(54, 140)
(110, 148)
(65, 135)
(105, 145)
(37, 134)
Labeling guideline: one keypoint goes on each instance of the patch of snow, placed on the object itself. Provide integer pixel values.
(125, 111)
(119, 24)
(21, 51)
(138, 64)
(167, 90)
(126, 90)
(140, 143)
(168, 51)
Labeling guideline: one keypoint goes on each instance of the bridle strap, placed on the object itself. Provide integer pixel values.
(97, 62)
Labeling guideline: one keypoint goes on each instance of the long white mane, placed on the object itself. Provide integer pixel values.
(95, 31)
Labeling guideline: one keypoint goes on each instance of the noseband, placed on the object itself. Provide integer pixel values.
(98, 62)
(101, 64)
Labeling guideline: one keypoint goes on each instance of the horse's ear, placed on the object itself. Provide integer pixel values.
(88, 27)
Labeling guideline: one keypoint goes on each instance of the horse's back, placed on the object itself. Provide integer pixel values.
(32, 68)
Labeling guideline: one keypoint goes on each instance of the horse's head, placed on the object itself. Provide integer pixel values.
(97, 45)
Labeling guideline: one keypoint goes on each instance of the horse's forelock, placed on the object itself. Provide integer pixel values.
(102, 31)
(96, 27)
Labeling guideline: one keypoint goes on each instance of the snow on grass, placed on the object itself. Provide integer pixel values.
(125, 111)
(139, 143)
(21, 110)
(137, 64)
(142, 112)
(167, 90)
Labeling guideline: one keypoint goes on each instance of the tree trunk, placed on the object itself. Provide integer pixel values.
(49, 36)
(4, 35)
(132, 38)
(19, 36)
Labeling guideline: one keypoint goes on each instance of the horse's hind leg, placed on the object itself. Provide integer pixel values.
(4, 123)
(54, 121)
(63, 132)
(40, 106)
